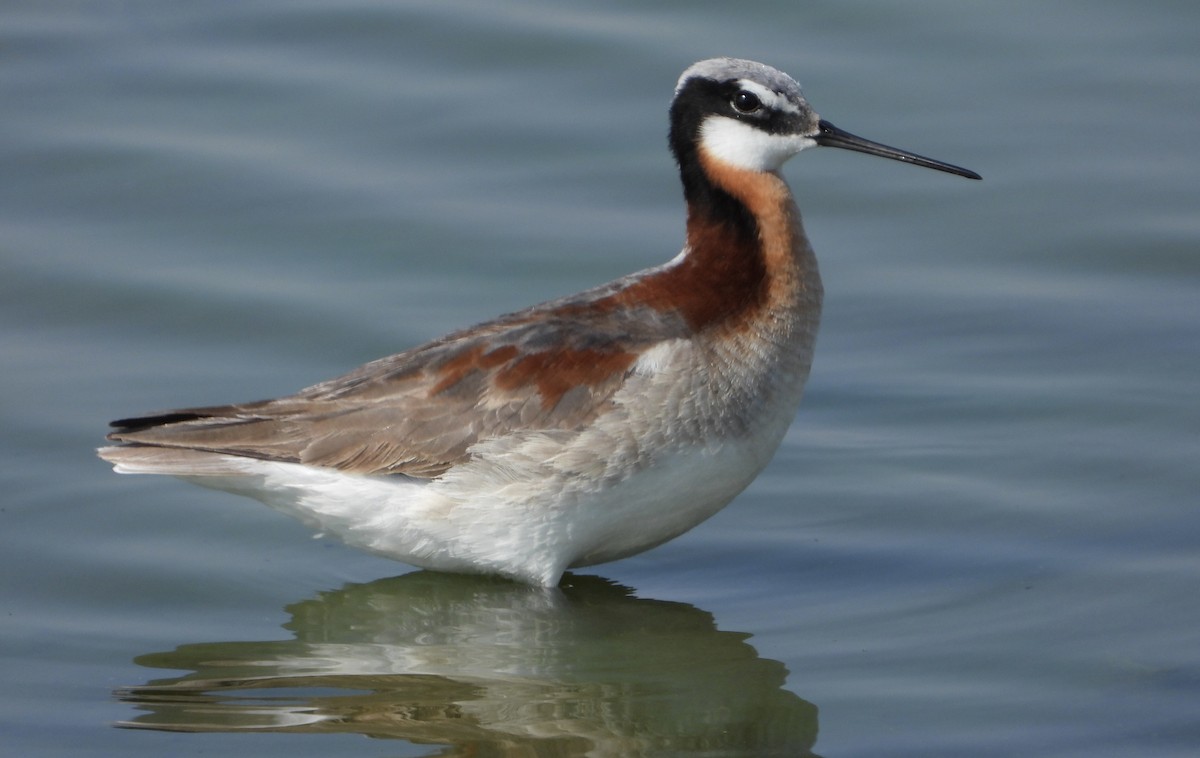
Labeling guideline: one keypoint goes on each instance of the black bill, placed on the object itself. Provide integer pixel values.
(831, 136)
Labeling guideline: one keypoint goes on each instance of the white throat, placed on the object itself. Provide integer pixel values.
(741, 145)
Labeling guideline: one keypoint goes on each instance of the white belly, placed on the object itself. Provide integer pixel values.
(490, 517)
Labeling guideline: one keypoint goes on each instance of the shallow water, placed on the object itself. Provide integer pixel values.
(979, 537)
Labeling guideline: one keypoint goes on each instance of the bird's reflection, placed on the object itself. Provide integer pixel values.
(488, 667)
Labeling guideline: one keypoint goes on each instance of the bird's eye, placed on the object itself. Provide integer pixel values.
(746, 102)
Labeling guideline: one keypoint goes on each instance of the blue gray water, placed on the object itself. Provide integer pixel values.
(979, 537)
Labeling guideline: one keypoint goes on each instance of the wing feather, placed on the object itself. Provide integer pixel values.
(419, 412)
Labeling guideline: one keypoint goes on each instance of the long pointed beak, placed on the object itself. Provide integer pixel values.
(831, 136)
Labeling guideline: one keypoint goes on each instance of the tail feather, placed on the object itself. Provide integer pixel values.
(138, 423)
(146, 459)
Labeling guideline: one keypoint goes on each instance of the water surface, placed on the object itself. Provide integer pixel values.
(979, 537)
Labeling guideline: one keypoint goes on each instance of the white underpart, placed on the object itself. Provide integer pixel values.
(492, 516)
(745, 146)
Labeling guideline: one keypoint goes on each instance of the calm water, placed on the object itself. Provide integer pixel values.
(979, 538)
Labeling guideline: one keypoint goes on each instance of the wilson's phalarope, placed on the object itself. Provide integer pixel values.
(575, 432)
